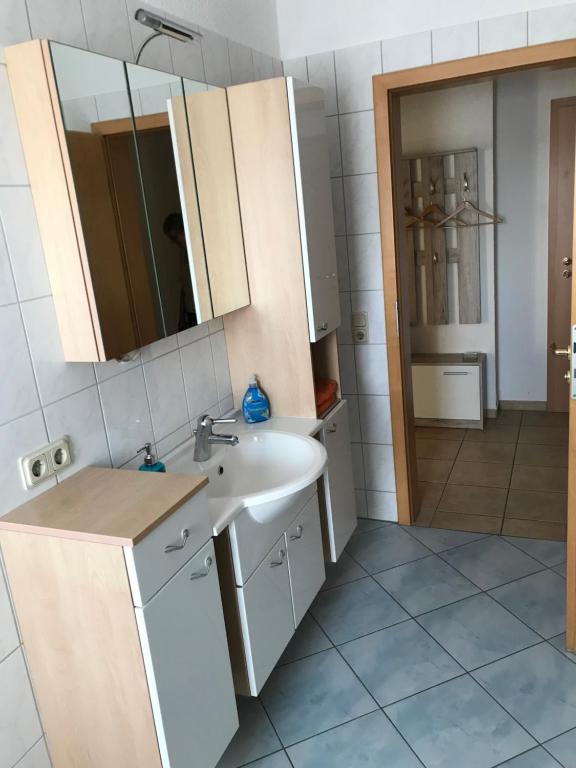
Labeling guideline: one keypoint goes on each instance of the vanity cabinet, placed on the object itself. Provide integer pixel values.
(305, 561)
(121, 618)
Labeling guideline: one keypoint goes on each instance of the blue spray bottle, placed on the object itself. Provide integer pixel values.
(255, 406)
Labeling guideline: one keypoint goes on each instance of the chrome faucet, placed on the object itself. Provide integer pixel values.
(205, 437)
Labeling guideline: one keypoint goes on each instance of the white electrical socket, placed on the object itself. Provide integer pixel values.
(45, 462)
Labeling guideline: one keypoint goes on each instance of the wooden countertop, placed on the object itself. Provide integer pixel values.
(446, 359)
(106, 506)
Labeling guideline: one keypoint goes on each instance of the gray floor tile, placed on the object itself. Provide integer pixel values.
(535, 758)
(458, 725)
(312, 695)
(425, 584)
(547, 552)
(254, 739)
(564, 748)
(439, 540)
(343, 571)
(537, 686)
(560, 569)
(491, 562)
(309, 639)
(370, 742)
(385, 548)
(366, 524)
(559, 642)
(399, 662)
(277, 760)
(538, 600)
(355, 609)
(477, 631)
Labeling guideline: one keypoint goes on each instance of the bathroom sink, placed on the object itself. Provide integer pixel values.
(262, 474)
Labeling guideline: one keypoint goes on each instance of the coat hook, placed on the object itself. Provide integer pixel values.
(466, 183)
(432, 187)
(435, 258)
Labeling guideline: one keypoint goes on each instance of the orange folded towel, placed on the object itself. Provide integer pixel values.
(326, 394)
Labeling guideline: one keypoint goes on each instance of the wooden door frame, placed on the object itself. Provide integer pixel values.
(387, 91)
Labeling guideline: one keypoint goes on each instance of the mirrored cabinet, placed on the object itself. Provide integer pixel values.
(133, 177)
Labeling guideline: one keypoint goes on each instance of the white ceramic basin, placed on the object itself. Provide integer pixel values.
(262, 474)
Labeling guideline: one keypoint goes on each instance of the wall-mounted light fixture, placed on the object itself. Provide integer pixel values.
(163, 27)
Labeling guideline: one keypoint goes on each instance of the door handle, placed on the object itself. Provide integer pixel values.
(560, 352)
(298, 534)
(276, 563)
(183, 539)
(204, 572)
(566, 261)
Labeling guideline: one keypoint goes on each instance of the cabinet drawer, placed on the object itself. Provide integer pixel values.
(305, 558)
(155, 559)
(447, 392)
(267, 620)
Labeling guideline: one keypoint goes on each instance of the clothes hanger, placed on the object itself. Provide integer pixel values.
(417, 221)
(466, 205)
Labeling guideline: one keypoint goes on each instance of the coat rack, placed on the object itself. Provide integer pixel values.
(440, 195)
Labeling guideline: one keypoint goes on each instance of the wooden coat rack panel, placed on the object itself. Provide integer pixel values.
(445, 180)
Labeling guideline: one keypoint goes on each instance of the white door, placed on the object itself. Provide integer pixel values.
(338, 480)
(305, 558)
(312, 173)
(188, 666)
(265, 605)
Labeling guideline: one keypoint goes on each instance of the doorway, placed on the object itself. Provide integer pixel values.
(388, 90)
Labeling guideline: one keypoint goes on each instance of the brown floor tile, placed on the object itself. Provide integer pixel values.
(553, 479)
(470, 500)
(430, 494)
(480, 473)
(437, 449)
(544, 435)
(541, 455)
(440, 433)
(499, 453)
(424, 518)
(493, 433)
(471, 523)
(544, 419)
(507, 418)
(531, 529)
(537, 505)
(433, 471)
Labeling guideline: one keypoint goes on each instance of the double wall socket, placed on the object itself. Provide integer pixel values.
(45, 462)
(360, 327)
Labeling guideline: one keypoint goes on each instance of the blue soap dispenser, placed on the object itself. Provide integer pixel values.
(255, 406)
(151, 464)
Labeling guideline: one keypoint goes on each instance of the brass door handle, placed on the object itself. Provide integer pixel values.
(568, 376)
(560, 352)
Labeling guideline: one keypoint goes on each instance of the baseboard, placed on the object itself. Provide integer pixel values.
(490, 413)
(522, 405)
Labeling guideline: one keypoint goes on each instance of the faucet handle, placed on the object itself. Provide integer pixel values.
(224, 421)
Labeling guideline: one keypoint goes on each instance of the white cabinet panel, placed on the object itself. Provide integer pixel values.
(338, 480)
(312, 173)
(265, 606)
(305, 558)
(187, 664)
(447, 392)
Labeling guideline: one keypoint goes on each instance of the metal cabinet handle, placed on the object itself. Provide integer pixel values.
(298, 535)
(185, 533)
(332, 428)
(204, 572)
(455, 373)
(322, 327)
(276, 563)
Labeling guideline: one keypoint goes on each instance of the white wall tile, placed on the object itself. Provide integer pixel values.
(338, 207)
(361, 202)
(56, 378)
(166, 395)
(79, 416)
(548, 24)
(115, 367)
(241, 64)
(18, 438)
(297, 68)
(18, 393)
(159, 348)
(354, 418)
(157, 53)
(406, 52)
(215, 324)
(18, 218)
(348, 383)
(172, 441)
(371, 302)
(344, 332)
(9, 639)
(375, 419)
(333, 133)
(504, 33)
(372, 369)
(7, 286)
(458, 42)
(14, 26)
(221, 367)
(358, 143)
(382, 505)
(358, 465)
(19, 724)
(59, 20)
(199, 378)
(321, 72)
(112, 39)
(361, 508)
(216, 60)
(12, 165)
(187, 59)
(190, 335)
(263, 66)
(126, 414)
(365, 260)
(379, 467)
(342, 263)
(354, 70)
(37, 757)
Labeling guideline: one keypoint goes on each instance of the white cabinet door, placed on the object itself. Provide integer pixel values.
(312, 173)
(188, 667)
(339, 480)
(265, 606)
(305, 558)
(447, 392)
